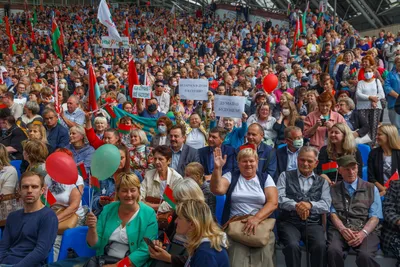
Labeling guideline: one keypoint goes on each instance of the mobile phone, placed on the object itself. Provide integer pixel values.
(149, 242)
(323, 121)
(105, 198)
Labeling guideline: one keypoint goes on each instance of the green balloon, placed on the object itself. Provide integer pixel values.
(105, 161)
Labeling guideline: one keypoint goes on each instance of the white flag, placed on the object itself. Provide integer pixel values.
(104, 17)
(173, 9)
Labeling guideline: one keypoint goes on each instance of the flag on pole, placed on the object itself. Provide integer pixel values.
(126, 32)
(105, 18)
(8, 30)
(94, 184)
(288, 9)
(93, 87)
(48, 198)
(394, 177)
(329, 167)
(169, 197)
(13, 46)
(110, 110)
(304, 18)
(56, 102)
(296, 34)
(82, 170)
(56, 35)
(34, 18)
(268, 44)
(133, 77)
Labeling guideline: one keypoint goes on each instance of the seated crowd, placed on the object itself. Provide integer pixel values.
(310, 160)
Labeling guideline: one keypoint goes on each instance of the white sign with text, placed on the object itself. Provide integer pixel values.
(229, 106)
(108, 42)
(193, 89)
(142, 91)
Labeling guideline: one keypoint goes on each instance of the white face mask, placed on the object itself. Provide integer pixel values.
(285, 112)
(62, 85)
(77, 84)
(174, 84)
(368, 75)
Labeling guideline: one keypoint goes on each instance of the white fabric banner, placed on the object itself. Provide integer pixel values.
(105, 18)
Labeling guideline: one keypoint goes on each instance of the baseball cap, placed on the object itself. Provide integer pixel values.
(346, 160)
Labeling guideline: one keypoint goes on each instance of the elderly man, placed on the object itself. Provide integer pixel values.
(57, 135)
(355, 214)
(303, 198)
(73, 116)
(287, 155)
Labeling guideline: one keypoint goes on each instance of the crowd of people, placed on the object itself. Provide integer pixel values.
(290, 168)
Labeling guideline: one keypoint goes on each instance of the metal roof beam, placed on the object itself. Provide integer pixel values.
(372, 13)
(367, 17)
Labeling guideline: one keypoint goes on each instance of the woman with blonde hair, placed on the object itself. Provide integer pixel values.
(340, 143)
(206, 242)
(35, 153)
(384, 160)
(263, 116)
(140, 154)
(195, 171)
(120, 230)
(8, 174)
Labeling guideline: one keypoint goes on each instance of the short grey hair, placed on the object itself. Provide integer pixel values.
(100, 119)
(33, 106)
(142, 136)
(349, 102)
(306, 149)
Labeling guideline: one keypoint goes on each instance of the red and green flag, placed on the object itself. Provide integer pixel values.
(8, 29)
(133, 78)
(94, 183)
(110, 110)
(56, 36)
(124, 128)
(34, 21)
(82, 170)
(13, 46)
(48, 198)
(394, 177)
(94, 90)
(169, 197)
(288, 9)
(304, 18)
(296, 34)
(329, 167)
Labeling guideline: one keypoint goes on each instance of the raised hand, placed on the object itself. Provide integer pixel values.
(219, 160)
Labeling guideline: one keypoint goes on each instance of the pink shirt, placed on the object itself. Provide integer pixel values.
(278, 93)
(319, 138)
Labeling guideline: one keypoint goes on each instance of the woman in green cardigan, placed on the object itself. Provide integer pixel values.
(122, 225)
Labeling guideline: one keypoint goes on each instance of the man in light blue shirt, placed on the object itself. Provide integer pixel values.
(73, 116)
(355, 214)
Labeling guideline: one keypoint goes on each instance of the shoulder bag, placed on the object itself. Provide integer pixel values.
(66, 223)
(234, 229)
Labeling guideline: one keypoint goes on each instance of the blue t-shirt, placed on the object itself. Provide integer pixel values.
(146, 114)
(28, 237)
(207, 256)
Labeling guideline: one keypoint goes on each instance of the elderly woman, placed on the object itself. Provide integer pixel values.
(264, 118)
(390, 238)
(195, 171)
(81, 150)
(384, 160)
(357, 123)
(31, 115)
(340, 143)
(120, 230)
(12, 134)
(156, 181)
(186, 189)
(140, 153)
(318, 123)
(369, 93)
(100, 126)
(68, 201)
(313, 48)
(110, 136)
(164, 124)
(368, 61)
(8, 174)
(246, 191)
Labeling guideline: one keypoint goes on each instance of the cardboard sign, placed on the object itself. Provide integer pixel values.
(108, 42)
(193, 89)
(142, 91)
(229, 106)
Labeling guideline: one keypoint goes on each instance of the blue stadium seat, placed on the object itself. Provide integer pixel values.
(364, 150)
(365, 173)
(85, 196)
(219, 207)
(1, 234)
(17, 165)
(75, 238)
(50, 257)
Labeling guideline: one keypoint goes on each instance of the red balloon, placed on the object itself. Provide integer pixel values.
(300, 43)
(62, 168)
(270, 83)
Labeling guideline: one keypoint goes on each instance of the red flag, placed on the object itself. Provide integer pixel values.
(94, 183)
(7, 26)
(13, 47)
(92, 93)
(394, 177)
(110, 110)
(165, 30)
(133, 77)
(126, 32)
(296, 34)
(48, 41)
(125, 262)
(166, 240)
(268, 44)
(86, 46)
(82, 170)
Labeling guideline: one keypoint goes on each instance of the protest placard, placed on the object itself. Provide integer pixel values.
(108, 42)
(229, 106)
(193, 89)
(142, 91)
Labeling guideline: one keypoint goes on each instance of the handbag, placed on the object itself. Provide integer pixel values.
(8, 204)
(99, 261)
(66, 223)
(234, 229)
(163, 218)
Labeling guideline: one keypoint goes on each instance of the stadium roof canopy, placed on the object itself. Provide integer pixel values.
(362, 14)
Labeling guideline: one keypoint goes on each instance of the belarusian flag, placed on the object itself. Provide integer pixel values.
(288, 9)
(8, 30)
(296, 34)
(82, 170)
(126, 32)
(133, 77)
(329, 167)
(55, 35)
(13, 46)
(394, 177)
(304, 18)
(94, 183)
(268, 44)
(110, 110)
(48, 198)
(169, 197)
(93, 87)
(34, 18)
(124, 128)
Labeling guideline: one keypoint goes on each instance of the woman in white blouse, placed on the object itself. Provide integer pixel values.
(264, 117)
(369, 93)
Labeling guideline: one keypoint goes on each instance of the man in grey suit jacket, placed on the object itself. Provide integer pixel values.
(182, 154)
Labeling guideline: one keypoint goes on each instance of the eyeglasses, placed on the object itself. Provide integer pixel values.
(159, 85)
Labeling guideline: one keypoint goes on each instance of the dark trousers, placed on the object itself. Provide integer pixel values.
(290, 235)
(337, 246)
